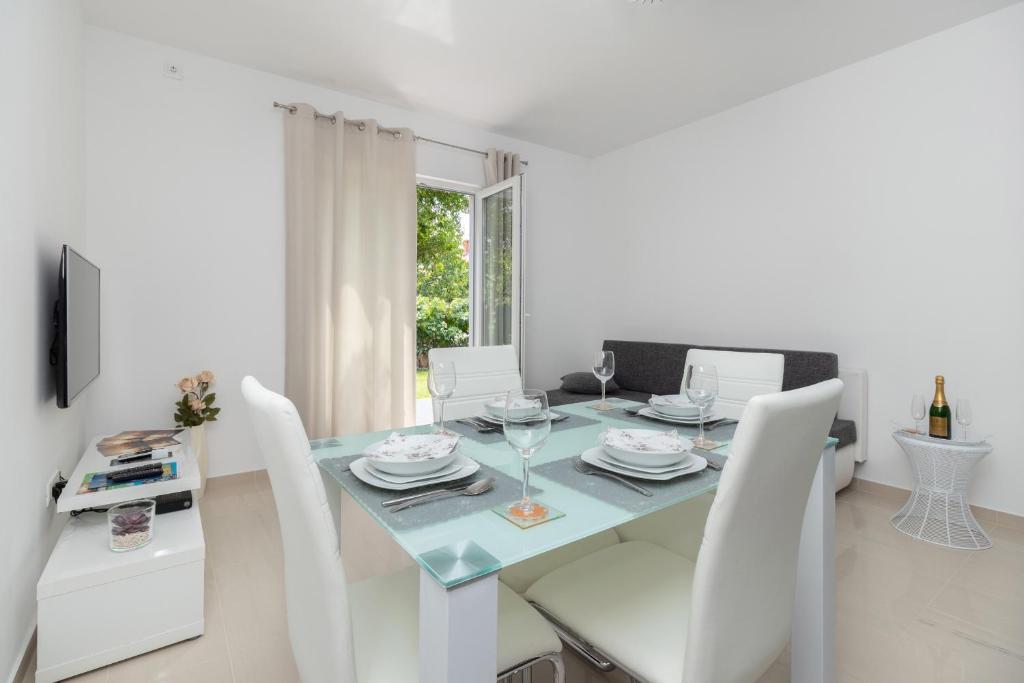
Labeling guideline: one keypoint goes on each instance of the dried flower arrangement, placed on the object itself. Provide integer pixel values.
(196, 404)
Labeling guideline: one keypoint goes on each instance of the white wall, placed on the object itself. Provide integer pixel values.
(185, 206)
(876, 211)
(41, 207)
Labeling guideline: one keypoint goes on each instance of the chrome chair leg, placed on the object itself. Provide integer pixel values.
(526, 669)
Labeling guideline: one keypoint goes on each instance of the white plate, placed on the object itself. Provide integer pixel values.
(495, 410)
(467, 467)
(683, 464)
(486, 417)
(592, 456)
(662, 458)
(450, 468)
(674, 405)
(406, 466)
(692, 421)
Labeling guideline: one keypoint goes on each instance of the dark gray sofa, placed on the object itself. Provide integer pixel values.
(645, 368)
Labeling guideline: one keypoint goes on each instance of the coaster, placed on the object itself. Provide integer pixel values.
(606, 407)
(550, 513)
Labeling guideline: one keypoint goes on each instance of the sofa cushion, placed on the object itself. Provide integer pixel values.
(587, 383)
(845, 431)
(650, 367)
(657, 368)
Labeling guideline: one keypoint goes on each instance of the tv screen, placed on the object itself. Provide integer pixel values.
(77, 346)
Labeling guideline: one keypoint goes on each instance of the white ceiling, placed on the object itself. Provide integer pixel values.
(585, 76)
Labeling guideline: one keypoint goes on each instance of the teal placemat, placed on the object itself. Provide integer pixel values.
(506, 490)
(612, 492)
(572, 422)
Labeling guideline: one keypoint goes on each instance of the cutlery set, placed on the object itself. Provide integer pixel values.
(483, 426)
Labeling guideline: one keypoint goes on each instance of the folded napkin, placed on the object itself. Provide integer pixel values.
(414, 446)
(643, 440)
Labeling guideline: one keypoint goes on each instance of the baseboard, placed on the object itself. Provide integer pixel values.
(28, 642)
(899, 494)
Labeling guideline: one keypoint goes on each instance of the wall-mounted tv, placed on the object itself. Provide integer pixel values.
(76, 349)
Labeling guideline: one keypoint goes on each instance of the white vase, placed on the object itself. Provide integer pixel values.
(201, 454)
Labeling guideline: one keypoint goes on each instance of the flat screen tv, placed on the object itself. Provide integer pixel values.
(76, 348)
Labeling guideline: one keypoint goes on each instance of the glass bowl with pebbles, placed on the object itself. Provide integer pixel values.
(131, 524)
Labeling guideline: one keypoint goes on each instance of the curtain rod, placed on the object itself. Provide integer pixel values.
(291, 109)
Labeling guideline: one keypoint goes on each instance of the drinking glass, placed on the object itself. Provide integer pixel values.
(963, 414)
(701, 385)
(441, 383)
(527, 425)
(917, 411)
(604, 368)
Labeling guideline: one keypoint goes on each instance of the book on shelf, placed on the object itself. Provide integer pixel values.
(97, 481)
(138, 441)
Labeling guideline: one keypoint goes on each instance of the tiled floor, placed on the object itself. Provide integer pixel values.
(908, 611)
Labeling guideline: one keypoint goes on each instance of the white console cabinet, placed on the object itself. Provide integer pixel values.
(96, 606)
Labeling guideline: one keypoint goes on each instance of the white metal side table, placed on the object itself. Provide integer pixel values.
(938, 511)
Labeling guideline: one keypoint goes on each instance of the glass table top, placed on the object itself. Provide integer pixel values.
(455, 548)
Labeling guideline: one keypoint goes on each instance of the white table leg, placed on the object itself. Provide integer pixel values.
(813, 641)
(458, 630)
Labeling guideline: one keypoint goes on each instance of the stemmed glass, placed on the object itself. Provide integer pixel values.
(441, 383)
(604, 368)
(701, 385)
(963, 414)
(917, 411)
(527, 425)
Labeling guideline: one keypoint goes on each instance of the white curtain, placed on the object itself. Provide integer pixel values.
(350, 273)
(500, 165)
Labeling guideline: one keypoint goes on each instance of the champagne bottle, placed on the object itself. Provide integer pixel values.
(938, 416)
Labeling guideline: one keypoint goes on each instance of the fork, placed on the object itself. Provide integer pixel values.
(584, 468)
(480, 426)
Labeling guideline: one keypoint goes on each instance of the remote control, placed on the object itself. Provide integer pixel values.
(151, 471)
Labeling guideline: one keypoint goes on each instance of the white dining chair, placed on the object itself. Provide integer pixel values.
(481, 373)
(663, 618)
(741, 376)
(366, 632)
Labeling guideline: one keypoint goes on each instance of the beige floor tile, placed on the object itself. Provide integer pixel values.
(268, 660)
(908, 611)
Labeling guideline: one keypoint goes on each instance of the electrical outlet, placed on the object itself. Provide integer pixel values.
(172, 71)
(54, 478)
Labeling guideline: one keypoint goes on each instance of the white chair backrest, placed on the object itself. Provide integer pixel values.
(481, 373)
(854, 406)
(741, 376)
(315, 590)
(745, 579)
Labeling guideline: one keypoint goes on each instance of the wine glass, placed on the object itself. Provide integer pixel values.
(604, 368)
(701, 385)
(441, 383)
(917, 411)
(527, 425)
(963, 414)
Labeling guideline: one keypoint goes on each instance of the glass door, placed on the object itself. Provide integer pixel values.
(497, 266)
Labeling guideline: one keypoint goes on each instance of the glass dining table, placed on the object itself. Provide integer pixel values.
(461, 544)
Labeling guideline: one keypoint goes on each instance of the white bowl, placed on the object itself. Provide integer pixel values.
(645, 457)
(675, 405)
(523, 409)
(415, 460)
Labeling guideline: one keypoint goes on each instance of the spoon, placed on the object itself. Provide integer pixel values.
(474, 489)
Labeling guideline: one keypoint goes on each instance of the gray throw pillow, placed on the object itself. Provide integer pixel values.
(586, 383)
